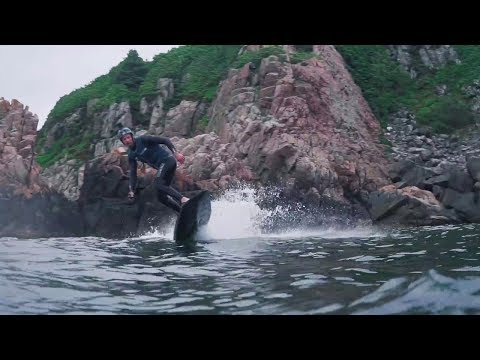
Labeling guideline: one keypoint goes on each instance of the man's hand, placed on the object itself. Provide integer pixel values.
(180, 158)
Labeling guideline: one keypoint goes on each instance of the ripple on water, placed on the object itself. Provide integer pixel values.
(432, 270)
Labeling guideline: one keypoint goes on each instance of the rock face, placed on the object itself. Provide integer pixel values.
(440, 167)
(18, 129)
(155, 108)
(440, 196)
(180, 120)
(66, 177)
(430, 56)
(419, 144)
(254, 48)
(305, 126)
(408, 206)
(28, 207)
(472, 91)
(40, 215)
(117, 116)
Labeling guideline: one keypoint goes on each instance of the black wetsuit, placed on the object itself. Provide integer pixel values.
(157, 152)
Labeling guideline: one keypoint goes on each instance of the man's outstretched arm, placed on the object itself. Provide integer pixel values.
(132, 185)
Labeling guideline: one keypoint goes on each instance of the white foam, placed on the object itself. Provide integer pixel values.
(237, 215)
(165, 233)
(234, 215)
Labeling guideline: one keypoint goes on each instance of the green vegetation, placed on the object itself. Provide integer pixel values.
(203, 123)
(384, 84)
(387, 87)
(70, 146)
(301, 56)
(256, 57)
(121, 83)
(195, 70)
(446, 114)
(54, 154)
(304, 48)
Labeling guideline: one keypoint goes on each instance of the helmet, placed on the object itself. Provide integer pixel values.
(123, 132)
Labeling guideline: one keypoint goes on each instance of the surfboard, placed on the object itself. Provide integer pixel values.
(194, 214)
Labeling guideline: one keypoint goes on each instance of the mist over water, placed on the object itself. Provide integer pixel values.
(235, 215)
(239, 266)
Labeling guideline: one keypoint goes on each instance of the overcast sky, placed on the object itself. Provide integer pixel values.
(38, 75)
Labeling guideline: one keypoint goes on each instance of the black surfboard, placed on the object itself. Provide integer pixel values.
(194, 214)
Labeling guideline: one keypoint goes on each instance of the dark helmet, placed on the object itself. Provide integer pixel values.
(123, 132)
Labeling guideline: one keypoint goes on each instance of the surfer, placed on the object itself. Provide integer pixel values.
(159, 153)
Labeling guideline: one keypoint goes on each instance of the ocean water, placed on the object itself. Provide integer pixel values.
(238, 268)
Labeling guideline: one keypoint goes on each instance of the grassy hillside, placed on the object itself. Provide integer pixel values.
(196, 71)
(133, 78)
(122, 82)
(387, 87)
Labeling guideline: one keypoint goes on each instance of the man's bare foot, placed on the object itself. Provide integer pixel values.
(184, 200)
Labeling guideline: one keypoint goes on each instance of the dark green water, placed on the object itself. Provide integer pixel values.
(434, 270)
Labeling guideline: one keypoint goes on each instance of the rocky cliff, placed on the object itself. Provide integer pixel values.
(291, 117)
(435, 177)
(303, 126)
(18, 168)
(28, 207)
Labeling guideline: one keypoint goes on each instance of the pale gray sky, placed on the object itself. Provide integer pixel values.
(38, 75)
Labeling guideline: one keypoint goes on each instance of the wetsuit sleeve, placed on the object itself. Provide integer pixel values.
(148, 139)
(133, 173)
